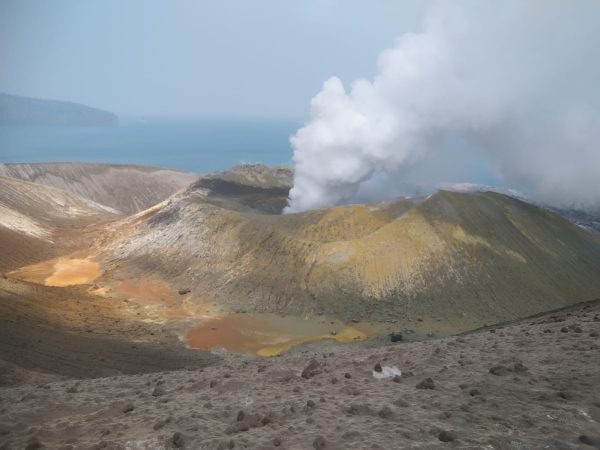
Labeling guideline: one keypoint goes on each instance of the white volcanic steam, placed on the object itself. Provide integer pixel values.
(518, 79)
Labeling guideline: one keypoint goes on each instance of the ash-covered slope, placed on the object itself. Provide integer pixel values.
(454, 260)
(35, 220)
(46, 203)
(126, 188)
(248, 188)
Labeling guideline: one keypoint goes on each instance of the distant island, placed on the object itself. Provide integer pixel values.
(17, 110)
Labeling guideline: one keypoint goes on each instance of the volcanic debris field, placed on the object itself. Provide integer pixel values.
(532, 384)
(144, 308)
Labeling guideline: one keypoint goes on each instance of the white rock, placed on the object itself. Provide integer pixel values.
(387, 372)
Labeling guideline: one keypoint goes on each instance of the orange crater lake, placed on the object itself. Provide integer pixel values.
(268, 334)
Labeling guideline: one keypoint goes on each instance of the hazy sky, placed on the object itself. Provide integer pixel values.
(515, 80)
(243, 58)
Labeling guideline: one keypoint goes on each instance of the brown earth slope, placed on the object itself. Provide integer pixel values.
(54, 321)
(71, 332)
(126, 188)
(39, 222)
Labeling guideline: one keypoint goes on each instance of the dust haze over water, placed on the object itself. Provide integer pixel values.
(199, 86)
(517, 81)
(471, 91)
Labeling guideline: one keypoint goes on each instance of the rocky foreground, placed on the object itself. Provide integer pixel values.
(527, 385)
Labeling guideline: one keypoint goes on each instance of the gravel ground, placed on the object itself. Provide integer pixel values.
(527, 385)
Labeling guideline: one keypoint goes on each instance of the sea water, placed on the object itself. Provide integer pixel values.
(196, 145)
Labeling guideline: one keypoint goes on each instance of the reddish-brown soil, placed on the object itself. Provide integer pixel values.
(269, 335)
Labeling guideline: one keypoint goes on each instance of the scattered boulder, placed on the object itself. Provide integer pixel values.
(401, 403)
(161, 423)
(564, 395)
(385, 412)
(184, 291)
(225, 445)
(244, 421)
(590, 440)
(350, 435)
(128, 407)
(427, 383)
(446, 436)
(359, 409)
(500, 370)
(237, 427)
(313, 368)
(158, 391)
(396, 337)
(378, 368)
(519, 367)
(33, 443)
(320, 443)
(178, 440)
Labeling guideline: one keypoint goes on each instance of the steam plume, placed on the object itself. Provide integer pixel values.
(520, 80)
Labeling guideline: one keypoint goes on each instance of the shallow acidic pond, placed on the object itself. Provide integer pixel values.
(268, 334)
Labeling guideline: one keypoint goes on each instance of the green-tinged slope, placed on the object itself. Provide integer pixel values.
(455, 260)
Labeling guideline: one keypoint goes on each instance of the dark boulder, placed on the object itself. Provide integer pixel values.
(396, 337)
(313, 368)
(427, 383)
